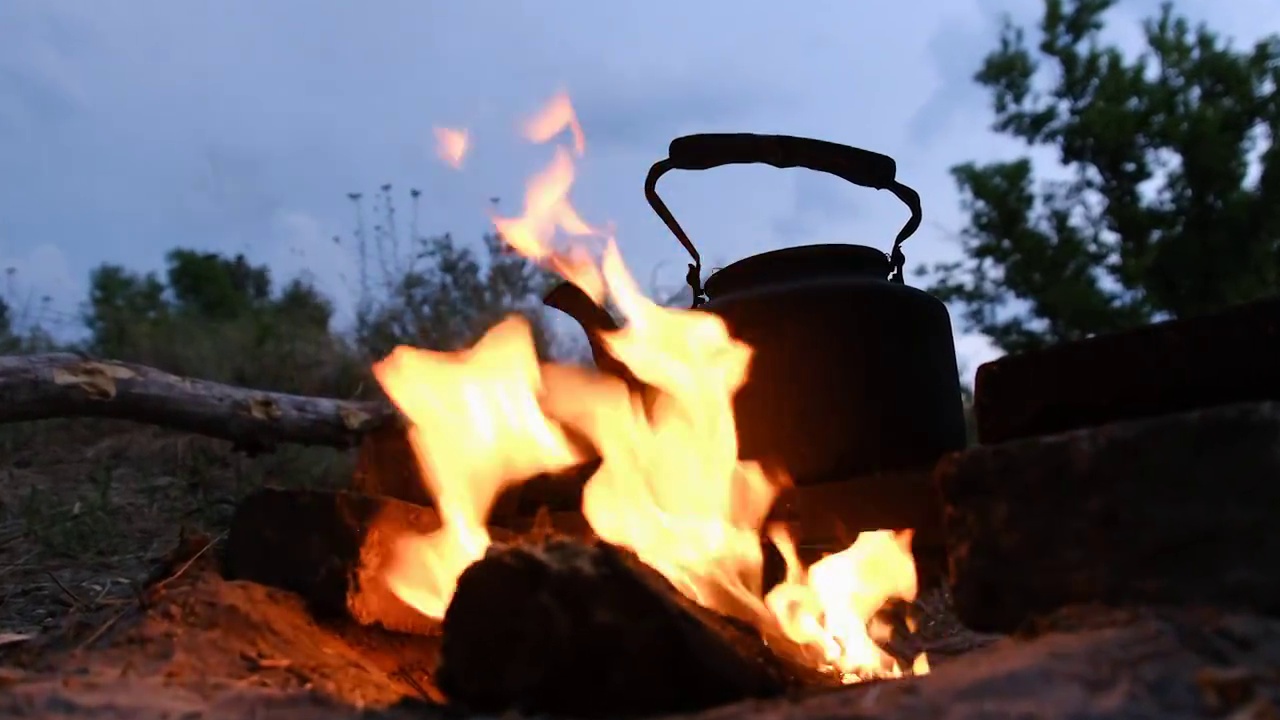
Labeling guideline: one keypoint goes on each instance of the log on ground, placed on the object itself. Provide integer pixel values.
(1176, 510)
(57, 385)
(1176, 366)
(582, 629)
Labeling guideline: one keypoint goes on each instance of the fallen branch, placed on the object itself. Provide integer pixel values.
(60, 385)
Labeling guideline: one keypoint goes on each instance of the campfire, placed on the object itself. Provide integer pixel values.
(1110, 543)
(669, 486)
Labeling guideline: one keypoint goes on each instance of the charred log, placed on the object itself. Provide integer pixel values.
(385, 465)
(1178, 510)
(333, 549)
(1169, 367)
(587, 629)
(57, 385)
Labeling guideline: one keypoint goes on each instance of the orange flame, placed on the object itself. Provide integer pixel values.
(670, 485)
(555, 117)
(452, 146)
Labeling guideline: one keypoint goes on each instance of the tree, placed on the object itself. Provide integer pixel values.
(1170, 201)
(199, 289)
(435, 292)
(218, 317)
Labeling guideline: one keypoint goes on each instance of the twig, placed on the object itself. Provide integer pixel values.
(20, 562)
(183, 567)
(75, 599)
(103, 628)
(425, 691)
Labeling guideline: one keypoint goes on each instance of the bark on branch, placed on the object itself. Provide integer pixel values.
(59, 385)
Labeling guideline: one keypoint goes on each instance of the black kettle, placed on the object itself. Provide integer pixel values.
(854, 372)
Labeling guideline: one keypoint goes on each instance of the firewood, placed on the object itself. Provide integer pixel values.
(1177, 510)
(586, 629)
(55, 385)
(1168, 367)
(333, 549)
(386, 465)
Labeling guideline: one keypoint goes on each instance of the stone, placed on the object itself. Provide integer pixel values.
(1169, 367)
(1175, 510)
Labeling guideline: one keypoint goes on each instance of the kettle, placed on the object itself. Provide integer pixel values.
(854, 372)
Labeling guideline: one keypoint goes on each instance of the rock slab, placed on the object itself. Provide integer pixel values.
(1177, 510)
(1169, 367)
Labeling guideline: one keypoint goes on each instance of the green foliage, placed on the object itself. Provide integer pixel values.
(222, 318)
(1170, 204)
(21, 330)
(217, 318)
(8, 342)
(437, 293)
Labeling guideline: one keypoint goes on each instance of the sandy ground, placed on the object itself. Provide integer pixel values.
(111, 604)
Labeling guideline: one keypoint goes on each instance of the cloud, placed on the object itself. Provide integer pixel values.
(39, 85)
(40, 289)
(648, 114)
(239, 126)
(303, 246)
(818, 201)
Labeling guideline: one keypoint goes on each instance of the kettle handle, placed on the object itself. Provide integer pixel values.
(705, 151)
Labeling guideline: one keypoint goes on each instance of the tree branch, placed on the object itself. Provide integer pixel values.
(59, 385)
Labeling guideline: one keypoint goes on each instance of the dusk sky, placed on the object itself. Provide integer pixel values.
(133, 126)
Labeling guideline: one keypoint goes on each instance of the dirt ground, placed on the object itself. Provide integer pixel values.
(111, 604)
(108, 553)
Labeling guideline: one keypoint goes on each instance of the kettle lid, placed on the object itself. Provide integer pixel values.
(799, 264)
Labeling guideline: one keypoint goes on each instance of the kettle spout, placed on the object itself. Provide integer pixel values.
(572, 301)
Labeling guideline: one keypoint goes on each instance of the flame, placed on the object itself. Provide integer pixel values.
(475, 428)
(555, 117)
(452, 146)
(670, 485)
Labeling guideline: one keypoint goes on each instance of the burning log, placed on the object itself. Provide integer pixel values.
(1177, 510)
(331, 548)
(334, 549)
(54, 385)
(385, 465)
(587, 629)
(1169, 367)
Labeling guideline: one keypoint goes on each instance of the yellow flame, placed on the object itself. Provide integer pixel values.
(476, 428)
(452, 146)
(670, 485)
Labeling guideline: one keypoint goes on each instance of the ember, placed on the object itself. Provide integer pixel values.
(670, 486)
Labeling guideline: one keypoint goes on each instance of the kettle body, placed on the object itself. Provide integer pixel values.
(853, 372)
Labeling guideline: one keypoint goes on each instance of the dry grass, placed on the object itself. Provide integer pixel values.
(88, 508)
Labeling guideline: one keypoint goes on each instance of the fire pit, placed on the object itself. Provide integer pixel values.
(662, 602)
(565, 541)
(661, 596)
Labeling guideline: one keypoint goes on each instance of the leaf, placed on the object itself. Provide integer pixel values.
(11, 638)
(352, 418)
(264, 408)
(1227, 688)
(95, 378)
(11, 676)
